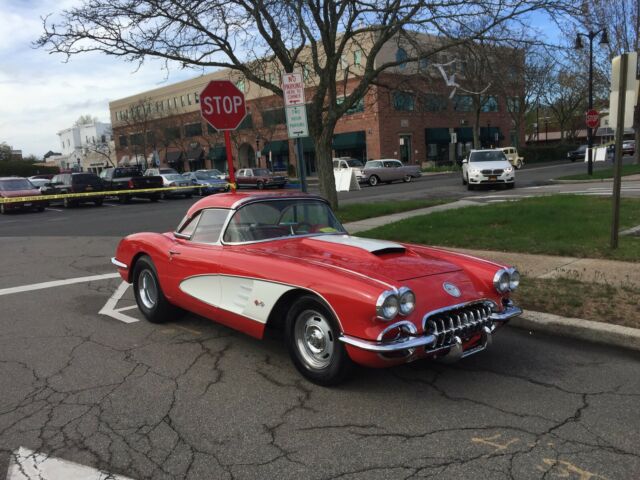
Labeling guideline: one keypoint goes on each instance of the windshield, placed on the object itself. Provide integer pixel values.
(354, 163)
(203, 176)
(17, 184)
(488, 156)
(173, 177)
(281, 218)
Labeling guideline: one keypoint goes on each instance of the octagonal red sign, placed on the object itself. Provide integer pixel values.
(222, 105)
(593, 118)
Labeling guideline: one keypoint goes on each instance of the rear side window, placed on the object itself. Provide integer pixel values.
(85, 179)
(209, 228)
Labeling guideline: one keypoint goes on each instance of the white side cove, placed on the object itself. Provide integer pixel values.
(248, 297)
(367, 244)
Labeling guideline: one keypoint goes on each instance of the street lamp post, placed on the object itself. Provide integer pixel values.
(603, 41)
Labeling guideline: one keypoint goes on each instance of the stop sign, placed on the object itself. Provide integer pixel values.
(222, 105)
(593, 118)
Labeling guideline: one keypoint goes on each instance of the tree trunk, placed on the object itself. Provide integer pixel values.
(636, 126)
(324, 165)
(476, 130)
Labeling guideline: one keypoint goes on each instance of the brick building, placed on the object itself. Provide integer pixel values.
(407, 115)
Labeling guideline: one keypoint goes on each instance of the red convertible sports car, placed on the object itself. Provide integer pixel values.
(282, 260)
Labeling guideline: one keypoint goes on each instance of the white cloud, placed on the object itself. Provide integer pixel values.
(41, 95)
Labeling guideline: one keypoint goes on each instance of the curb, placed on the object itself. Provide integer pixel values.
(597, 332)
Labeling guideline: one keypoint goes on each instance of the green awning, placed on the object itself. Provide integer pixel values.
(438, 135)
(343, 141)
(277, 147)
(217, 152)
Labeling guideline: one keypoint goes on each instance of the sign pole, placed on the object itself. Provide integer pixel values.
(232, 174)
(617, 176)
(301, 165)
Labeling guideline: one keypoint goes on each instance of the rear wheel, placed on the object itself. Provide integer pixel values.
(470, 187)
(149, 297)
(68, 203)
(3, 209)
(154, 198)
(40, 208)
(312, 336)
(407, 178)
(260, 186)
(373, 180)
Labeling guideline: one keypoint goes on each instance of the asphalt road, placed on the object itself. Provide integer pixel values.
(192, 399)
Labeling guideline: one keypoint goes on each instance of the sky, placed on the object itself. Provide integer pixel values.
(42, 94)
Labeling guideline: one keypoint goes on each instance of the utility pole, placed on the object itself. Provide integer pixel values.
(617, 177)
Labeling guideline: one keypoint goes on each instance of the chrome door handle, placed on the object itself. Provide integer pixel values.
(173, 252)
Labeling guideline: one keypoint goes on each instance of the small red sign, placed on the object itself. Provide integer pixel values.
(222, 105)
(593, 118)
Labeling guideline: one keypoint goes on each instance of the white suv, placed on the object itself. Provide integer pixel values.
(487, 167)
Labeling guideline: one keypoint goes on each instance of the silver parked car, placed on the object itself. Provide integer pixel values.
(388, 170)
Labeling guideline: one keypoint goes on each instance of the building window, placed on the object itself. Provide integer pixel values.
(197, 97)
(423, 64)
(432, 102)
(193, 130)
(344, 63)
(306, 73)
(241, 85)
(357, 107)
(357, 57)
(401, 56)
(182, 102)
(189, 97)
(403, 101)
(513, 104)
(462, 103)
(246, 123)
(489, 104)
(136, 139)
(172, 133)
(274, 117)
(122, 140)
(211, 130)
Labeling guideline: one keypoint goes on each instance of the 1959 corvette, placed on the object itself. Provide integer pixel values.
(255, 260)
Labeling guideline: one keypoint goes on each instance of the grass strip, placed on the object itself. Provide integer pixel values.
(360, 211)
(603, 174)
(566, 225)
(568, 297)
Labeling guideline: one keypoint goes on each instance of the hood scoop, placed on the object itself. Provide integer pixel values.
(377, 247)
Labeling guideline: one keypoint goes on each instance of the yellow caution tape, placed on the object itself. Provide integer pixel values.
(104, 193)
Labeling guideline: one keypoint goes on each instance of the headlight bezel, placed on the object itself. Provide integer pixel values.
(402, 292)
(506, 280)
(383, 298)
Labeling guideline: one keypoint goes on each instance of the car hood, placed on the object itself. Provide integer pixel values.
(20, 193)
(376, 259)
(490, 165)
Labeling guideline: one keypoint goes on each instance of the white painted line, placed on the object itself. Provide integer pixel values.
(57, 283)
(109, 308)
(53, 209)
(124, 309)
(29, 465)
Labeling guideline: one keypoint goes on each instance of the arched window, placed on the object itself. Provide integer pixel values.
(401, 56)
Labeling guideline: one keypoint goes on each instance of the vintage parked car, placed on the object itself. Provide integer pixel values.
(281, 260)
(487, 167)
(514, 158)
(388, 170)
(259, 178)
(14, 187)
(208, 184)
(578, 154)
(347, 162)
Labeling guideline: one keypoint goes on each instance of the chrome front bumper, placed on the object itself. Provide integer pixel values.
(118, 263)
(429, 340)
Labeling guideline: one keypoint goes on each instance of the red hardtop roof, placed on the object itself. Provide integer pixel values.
(234, 200)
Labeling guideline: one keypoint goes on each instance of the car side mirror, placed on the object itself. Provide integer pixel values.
(181, 236)
(464, 160)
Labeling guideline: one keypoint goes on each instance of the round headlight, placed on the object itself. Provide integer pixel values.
(407, 301)
(387, 305)
(514, 279)
(501, 281)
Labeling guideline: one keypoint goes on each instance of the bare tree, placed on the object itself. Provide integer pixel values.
(565, 96)
(5, 151)
(85, 120)
(252, 37)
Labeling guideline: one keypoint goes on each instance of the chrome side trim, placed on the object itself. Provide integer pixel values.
(387, 347)
(509, 311)
(118, 263)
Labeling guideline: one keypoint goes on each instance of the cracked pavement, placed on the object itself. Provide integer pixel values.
(196, 400)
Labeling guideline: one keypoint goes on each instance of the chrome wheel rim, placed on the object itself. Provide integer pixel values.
(147, 289)
(314, 339)
(373, 181)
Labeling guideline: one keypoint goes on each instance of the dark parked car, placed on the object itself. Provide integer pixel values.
(75, 183)
(13, 187)
(128, 180)
(259, 178)
(208, 183)
(578, 154)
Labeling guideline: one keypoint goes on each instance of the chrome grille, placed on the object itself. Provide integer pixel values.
(463, 322)
(488, 171)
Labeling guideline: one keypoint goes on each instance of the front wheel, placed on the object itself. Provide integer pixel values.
(373, 180)
(149, 297)
(260, 186)
(312, 337)
(519, 164)
(407, 178)
(470, 186)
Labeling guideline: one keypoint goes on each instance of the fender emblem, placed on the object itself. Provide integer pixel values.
(451, 289)
(258, 303)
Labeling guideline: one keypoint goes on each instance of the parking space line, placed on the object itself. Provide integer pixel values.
(109, 308)
(124, 309)
(57, 283)
(53, 209)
